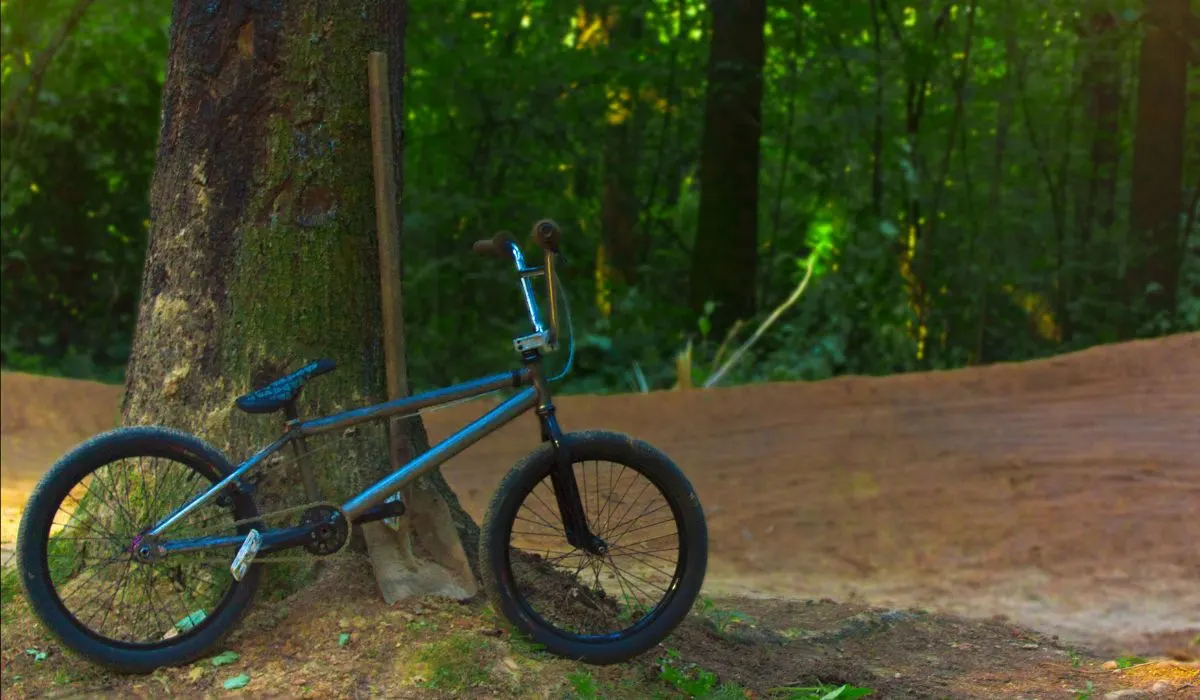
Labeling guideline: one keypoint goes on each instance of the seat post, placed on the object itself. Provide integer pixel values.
(300, 447)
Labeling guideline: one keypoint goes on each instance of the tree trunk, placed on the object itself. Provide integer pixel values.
(619, 203)
(262, 250)
(725, 255)
(1152, 278)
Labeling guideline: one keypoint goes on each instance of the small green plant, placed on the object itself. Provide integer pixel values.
(693, 681)
(1086, 693)
(584, 685)
(1076, 659)
(721, 618)
(1127, 661)
(823, 691)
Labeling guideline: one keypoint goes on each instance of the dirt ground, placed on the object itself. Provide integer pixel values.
(1061, 494)
(338, 639)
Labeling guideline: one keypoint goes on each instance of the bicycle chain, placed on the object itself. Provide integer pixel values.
(274, 559)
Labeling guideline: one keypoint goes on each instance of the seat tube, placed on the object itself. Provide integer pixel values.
(300, 448)
(562, 477)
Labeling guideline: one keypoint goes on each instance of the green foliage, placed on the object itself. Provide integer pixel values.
(583, 685)
(75, 162)
(693, 681)
(1127, 661)
(823, 691)
(995, 232)
(721, 618)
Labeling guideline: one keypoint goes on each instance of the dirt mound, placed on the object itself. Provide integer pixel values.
(1061, 493)
(40, 419)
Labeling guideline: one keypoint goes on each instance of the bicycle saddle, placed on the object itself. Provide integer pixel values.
(284, 390)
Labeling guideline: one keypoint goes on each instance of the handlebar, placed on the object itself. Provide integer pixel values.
(547, 235)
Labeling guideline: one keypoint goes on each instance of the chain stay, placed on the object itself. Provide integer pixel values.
(277, 559)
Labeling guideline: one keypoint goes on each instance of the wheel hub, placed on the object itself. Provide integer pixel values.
(144, 548)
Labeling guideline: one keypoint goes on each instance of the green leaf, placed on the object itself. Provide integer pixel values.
(1127, 661)
(888, 229)
(237, 682)
(846, 692)
(225, 658)
(343, 639)
(191, 621)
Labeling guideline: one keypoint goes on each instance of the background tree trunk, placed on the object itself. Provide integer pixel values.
(1152, 278)
(262, 250)
(725, 256)
(619, 199)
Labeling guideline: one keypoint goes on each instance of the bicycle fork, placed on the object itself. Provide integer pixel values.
(566, 489)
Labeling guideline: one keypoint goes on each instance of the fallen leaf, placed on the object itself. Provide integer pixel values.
(191, 621)
(237, 682)
(196, 673)
(224, 658)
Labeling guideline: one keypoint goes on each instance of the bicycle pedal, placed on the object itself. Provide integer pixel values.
(245, 555)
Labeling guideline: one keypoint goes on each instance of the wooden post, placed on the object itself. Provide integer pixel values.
(387, 223)
(427, 527)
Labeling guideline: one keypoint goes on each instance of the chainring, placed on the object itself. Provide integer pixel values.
(331, 535)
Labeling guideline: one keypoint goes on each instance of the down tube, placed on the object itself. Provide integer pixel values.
(443, 451)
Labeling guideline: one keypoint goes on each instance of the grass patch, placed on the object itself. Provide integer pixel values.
(455, 663)
(584, 685)
(10, 587)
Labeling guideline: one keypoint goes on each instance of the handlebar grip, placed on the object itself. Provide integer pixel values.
(547, 235)
(497, 246)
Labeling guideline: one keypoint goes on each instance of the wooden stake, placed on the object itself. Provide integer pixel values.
(387, 223)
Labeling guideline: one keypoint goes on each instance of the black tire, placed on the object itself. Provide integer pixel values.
(497, 572)
(34, 537)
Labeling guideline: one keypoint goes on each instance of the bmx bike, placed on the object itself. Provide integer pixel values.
(106, 556)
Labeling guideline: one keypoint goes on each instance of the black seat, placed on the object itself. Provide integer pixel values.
(282, 391)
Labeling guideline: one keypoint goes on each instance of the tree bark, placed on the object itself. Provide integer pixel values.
(262, 250)
(725, 255)
(1156, 206)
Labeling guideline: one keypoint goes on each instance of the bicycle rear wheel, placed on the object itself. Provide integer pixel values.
(81, 534)
(599, 608)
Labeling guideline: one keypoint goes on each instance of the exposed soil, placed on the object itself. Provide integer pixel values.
(1062, 494)
(337, 639)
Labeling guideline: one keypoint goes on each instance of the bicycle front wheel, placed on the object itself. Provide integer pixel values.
(599, 607)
